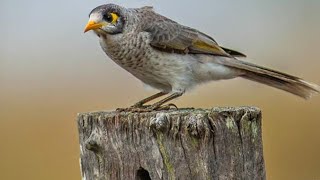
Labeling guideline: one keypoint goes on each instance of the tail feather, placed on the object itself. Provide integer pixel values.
(276, 79)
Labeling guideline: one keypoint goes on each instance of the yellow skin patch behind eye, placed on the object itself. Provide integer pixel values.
(114, 18)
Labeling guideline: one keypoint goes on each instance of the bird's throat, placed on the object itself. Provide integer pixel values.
(100, 33)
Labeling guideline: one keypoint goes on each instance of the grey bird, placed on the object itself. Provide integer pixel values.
(173, 58)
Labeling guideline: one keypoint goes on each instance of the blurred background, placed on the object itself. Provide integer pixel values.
(50, 70)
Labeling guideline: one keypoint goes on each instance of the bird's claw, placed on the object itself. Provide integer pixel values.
(139, 105)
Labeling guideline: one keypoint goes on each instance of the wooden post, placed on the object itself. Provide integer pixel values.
(221, 143)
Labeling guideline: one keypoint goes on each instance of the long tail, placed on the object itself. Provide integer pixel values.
(273, 78)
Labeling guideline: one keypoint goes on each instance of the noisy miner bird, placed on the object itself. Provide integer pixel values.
(173, 58)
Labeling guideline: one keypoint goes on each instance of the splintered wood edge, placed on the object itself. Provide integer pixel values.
(112, 113)
(159, 120)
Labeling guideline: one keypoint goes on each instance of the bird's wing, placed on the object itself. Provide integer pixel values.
(168, 35)
(233, 52)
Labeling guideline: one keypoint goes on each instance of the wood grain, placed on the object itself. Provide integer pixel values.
(220, 143)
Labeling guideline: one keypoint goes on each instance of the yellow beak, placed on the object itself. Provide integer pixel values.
(92, 26)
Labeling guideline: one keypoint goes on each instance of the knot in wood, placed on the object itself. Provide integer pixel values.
(160, 122)
(93, 143)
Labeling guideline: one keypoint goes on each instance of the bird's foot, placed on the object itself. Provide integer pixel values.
(134, 108)
(147, 108)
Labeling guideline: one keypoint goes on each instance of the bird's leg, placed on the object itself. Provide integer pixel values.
(150, 98)
(158, 105)
(139, 106)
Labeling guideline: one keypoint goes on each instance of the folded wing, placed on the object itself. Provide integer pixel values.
(168, 35)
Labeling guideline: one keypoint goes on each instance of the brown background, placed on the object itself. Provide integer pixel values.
(50, 71)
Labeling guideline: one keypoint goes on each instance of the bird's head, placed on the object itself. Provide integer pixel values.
(106, 19)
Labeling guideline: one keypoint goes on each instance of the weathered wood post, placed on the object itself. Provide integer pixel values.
(221, 143)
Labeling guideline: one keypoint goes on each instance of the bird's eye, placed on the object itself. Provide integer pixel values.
(107, 17)
(111, 17)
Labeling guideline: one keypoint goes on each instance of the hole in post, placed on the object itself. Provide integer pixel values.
(143, 174)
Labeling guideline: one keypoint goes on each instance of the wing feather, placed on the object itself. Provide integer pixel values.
(168, 35)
